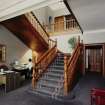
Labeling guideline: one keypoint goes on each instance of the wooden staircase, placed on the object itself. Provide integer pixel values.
(51, 82)
(55, 73)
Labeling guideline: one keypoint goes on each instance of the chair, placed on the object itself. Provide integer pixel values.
(98, 96)
(4, 67)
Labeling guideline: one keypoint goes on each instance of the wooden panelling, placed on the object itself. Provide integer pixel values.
(22, 28)
(94, 58)
(59, 23)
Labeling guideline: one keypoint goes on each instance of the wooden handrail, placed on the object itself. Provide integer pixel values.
(40, 23)
(52, 40)
(48, 56)
(44, 55)
(73, 54)
(52, 43)
(70, 68)
(42, 64)
(37, 25)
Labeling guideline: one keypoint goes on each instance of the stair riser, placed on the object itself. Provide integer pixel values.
(56, 72)
(59, 68)
(44, 81)
(52, 81)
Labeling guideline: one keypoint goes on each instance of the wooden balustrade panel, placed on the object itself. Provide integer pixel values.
(37, 25)
(43, 63)
(71, 68)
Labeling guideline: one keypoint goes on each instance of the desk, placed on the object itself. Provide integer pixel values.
(2, 78)
(22, 71)
(10, 80)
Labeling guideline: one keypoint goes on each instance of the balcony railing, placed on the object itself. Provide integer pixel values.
(62, 26)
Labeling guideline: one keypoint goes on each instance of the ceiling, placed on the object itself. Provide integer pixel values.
(12, 8)
(89, 13)
(57, 6)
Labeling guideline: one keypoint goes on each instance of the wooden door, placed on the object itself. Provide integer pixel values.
(59, 24)
(95, 60)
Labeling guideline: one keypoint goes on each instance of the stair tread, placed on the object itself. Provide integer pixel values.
(56, 66)
(53, 74)
(53, 79)
(44, 91)
(58, 63)
(49, 84)
(56, 70)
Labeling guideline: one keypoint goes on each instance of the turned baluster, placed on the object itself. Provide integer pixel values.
(78, 39)
(33, 78)
(34, 70)
(65, 76)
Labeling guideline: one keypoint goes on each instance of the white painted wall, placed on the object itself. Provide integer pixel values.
(94, 37)
(61, 12)
(62, 41)
(43, 15)
(15, 49)
(49, 13)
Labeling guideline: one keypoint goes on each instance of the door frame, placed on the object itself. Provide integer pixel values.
(103, 56)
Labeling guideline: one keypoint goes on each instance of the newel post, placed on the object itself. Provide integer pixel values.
(34, 69)
(79, 39)
(65, 76)
(56, 44)
(33, 78)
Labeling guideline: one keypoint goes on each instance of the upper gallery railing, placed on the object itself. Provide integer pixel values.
(62, 26)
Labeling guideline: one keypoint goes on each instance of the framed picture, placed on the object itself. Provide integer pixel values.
(2, 53)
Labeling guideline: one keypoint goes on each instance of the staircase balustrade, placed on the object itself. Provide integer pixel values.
(48, 56)
(42, 64)
(70, 67)
(37, 25)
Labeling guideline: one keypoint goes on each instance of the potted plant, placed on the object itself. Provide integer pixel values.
(72, 42)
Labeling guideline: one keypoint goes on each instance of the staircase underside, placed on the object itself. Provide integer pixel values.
(23, 29)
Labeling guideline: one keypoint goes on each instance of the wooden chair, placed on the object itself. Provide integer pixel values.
(98, 96)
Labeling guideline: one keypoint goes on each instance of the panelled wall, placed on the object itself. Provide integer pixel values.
(94, 57)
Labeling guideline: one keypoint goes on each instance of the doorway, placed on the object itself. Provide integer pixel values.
(59, 24)
(93, 57)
